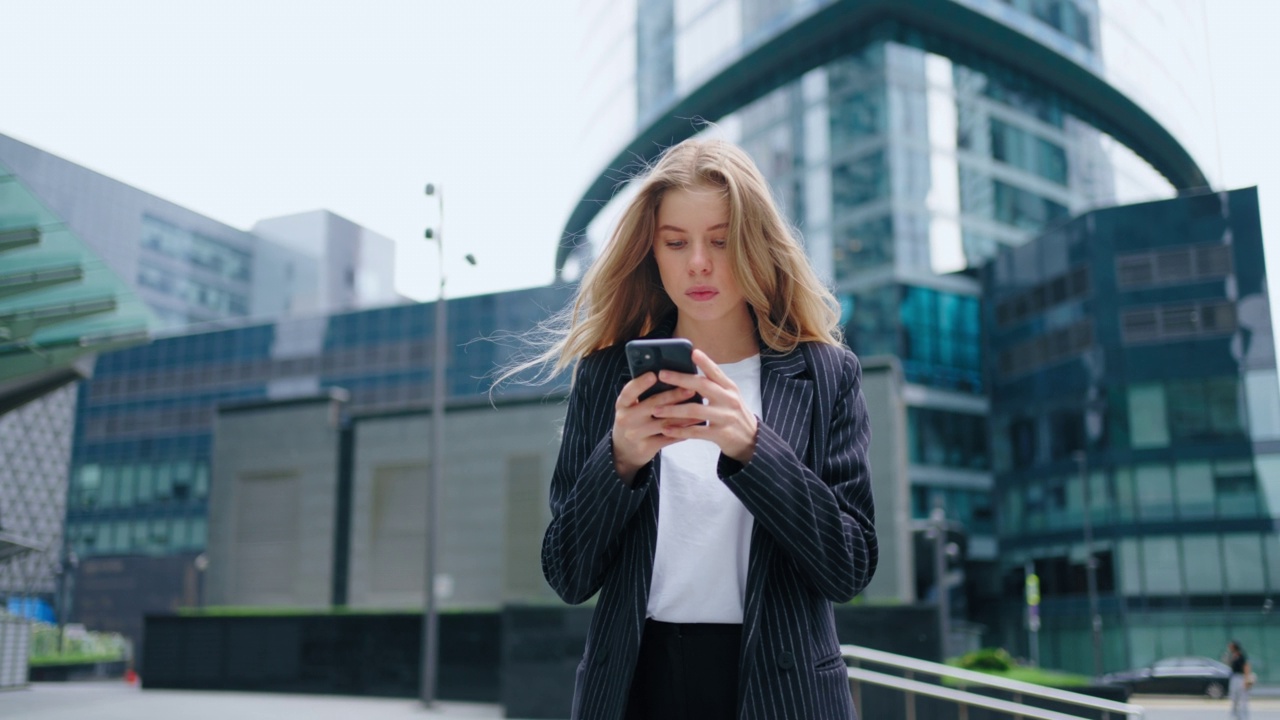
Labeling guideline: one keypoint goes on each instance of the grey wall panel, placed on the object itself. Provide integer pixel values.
(492, 507)
(273, 504)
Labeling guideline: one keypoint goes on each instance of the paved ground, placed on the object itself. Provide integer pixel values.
(1184, 708)
(118, 701)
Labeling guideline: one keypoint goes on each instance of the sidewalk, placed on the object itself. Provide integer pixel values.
(112, 700)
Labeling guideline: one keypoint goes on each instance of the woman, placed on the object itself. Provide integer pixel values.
(717, 534)
(1241, 680)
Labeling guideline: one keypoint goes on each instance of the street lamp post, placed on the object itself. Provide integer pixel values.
(439, 370)
(430, 618)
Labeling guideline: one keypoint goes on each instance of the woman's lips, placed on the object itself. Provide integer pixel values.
(702, 293)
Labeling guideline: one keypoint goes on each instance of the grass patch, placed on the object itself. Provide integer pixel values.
(1035, 676)
(74, 659)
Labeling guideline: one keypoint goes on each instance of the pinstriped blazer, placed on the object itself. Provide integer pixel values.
(808, 486)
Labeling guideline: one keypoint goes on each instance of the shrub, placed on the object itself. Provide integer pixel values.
(987, 659)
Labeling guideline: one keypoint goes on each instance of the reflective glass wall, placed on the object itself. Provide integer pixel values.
(1134, 385)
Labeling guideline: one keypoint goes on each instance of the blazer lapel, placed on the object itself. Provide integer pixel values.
(787, 398)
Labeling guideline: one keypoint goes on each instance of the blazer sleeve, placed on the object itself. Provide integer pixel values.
(590, 504)
(824, 521)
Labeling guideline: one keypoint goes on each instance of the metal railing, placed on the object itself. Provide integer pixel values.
(911, 688)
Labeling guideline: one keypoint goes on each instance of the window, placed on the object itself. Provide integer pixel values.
(1023, 439)
(1024, 209)
(1026, 151)
(1161, 574)
(1235, 488)
(1153, 485)
(858, 181)
(1202, 564)
(947, 439)
(1194, 484)
(1243, 567)
(1147, 425)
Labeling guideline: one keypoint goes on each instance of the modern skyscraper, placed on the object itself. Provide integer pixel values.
(908, 142)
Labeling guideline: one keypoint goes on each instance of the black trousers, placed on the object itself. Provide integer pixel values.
(686, 672)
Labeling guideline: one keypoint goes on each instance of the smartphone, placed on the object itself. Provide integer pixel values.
(675, 354)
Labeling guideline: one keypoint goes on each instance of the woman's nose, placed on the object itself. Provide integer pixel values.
(699, 260)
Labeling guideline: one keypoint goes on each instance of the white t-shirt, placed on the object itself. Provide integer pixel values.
(704, 531)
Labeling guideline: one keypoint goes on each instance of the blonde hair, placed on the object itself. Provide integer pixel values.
(621, 296)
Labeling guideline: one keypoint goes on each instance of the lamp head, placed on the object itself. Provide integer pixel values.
(431, 189)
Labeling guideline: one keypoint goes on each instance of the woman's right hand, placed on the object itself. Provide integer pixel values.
(637, 434)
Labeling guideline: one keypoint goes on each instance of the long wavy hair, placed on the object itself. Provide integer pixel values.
(621, 296)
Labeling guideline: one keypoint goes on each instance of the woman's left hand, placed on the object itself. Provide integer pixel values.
(730, 424)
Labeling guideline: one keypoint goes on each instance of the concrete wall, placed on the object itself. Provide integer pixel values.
(882, 389)
(493, 507)
(272, 504)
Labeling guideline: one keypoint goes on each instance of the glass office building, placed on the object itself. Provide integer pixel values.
(908, 143)
(1133, 384)
(140, 478)
(174, 266)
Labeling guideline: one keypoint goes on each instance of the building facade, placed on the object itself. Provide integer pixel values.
(1133, 384)
(142, 465)
(908, 143)
(179, 268)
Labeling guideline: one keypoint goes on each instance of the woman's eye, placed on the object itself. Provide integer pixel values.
(719, 243)
(674, 244)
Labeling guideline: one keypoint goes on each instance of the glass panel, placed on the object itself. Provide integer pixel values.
(104, 539)
(107, 495)
(124, 492)
(160, 535)
(197, 534)
(1243, 556)
(1126, 505)
(164, 481)
(1236, 488)
(1154, 487)
(1223, 396)
(1147, 425)
(1264, 404)
(1202, 564)
(141, 535)
(183, 476)
(1130, 570)
(202, 481)
(178, 539)
(121, 540)
(1268, 467)
(90, 485)
(1161, 573)
(146, 484)
(1272, 544)
(1194, 482)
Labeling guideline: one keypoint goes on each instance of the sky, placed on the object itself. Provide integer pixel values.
(244, 110)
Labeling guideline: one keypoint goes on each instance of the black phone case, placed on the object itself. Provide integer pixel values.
(675, 354)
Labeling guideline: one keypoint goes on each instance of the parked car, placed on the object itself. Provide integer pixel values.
(1177, 675)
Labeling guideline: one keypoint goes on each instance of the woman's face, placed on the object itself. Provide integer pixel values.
(693, 262)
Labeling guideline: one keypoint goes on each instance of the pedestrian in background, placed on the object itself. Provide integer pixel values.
(1242, 679)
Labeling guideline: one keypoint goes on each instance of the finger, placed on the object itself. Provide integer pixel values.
(698, 383)
(666, 397)
(712, 370)
(696, 411)
(630, 394)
